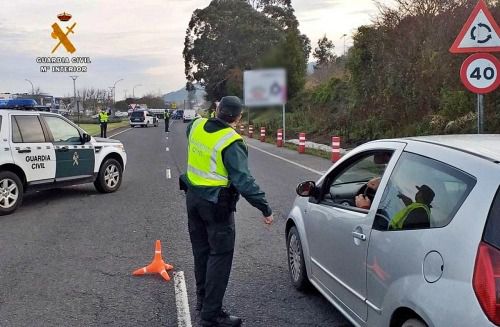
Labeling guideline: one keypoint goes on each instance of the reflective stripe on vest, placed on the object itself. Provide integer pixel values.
(399, 218)
(205, 165)
(103, 117)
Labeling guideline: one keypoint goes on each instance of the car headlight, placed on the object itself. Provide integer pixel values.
(120, 146)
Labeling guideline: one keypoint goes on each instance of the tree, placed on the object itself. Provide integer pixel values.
(324, 53)
(227, 35)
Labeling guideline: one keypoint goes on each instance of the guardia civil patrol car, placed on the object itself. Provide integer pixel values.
(40, 150)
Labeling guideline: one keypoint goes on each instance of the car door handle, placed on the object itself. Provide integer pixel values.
(63, 149)
(359, 236)
(24, 151)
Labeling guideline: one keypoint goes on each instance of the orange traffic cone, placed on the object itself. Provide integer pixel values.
(157, 266)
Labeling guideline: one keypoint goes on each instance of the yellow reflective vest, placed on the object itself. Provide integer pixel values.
(205, 165)
(399, 218)
(103, 117)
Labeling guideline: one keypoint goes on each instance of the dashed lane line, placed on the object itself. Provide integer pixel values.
(286, 160)
(168, 174)
(181, 300)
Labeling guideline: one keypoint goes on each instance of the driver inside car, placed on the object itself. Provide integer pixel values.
(363, 201)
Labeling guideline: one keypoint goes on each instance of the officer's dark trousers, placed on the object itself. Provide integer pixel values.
(167, 122)
(212, 239)
(104, 127)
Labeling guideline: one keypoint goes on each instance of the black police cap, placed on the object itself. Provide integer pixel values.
(230, 106)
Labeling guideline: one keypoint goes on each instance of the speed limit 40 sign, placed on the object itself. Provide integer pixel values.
(479, 73)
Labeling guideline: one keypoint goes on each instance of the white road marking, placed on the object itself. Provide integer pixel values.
(284, 159)
(128, 129)
(167, 149)
(168, 174)
(181, 300)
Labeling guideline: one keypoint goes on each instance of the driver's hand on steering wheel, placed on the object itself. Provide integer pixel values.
(363, 202)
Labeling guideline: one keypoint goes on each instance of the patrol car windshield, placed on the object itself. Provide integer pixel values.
(138, 114)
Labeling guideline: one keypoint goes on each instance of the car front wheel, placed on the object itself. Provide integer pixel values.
(109, 178)
(413, 323)
(11, 192)
(296, 264)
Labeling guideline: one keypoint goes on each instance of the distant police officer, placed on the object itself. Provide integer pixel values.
(166, 117)
(103, 120)
(217, 173)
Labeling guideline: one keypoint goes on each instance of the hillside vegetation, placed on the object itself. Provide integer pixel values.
(398, 78)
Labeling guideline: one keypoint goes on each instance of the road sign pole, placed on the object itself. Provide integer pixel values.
(480, 113)
(284, 122)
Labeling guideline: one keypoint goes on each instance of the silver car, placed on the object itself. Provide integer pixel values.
(404, 232)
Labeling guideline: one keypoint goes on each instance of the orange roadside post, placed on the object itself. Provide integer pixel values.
(157, 266)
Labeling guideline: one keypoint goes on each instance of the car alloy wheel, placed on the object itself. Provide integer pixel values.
(9, 193)
(296, 262)
(294, 257)
(112, 176)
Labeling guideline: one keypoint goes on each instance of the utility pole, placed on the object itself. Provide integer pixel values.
(344, 37)
(74, 97)
(32, 88)
(133, 90)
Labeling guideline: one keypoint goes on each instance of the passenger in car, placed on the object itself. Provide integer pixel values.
(416, 214)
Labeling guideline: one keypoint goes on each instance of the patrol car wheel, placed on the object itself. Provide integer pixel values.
(110, 176)
(296, 264)
(11, 192)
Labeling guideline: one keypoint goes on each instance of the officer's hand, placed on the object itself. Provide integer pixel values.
(269, 220)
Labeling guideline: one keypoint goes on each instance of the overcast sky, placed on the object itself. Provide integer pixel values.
(139, 41)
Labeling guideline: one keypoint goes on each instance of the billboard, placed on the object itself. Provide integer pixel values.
(265, 87)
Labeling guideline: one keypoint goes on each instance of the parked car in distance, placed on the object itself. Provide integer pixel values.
(188, 115)
(404, 232)
(143, 118)
(178, 114)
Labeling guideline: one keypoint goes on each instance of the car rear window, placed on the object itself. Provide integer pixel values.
(138, 114)
(492, 231)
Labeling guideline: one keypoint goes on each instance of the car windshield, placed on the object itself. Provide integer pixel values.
(137, 114)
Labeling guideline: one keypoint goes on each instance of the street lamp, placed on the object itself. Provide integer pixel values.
(74, 96)
(32, 88)
(114, 90)
(133, 90)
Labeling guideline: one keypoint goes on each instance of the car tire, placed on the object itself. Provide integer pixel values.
(295, 259)
(413, 323)
(11, 192)
(110, 176)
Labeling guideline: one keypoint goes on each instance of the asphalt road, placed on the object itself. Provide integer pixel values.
(67, 255)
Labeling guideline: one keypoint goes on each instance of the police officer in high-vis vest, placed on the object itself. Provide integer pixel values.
(416, 214)
(103, 120)
(217, 173)
(166, 117)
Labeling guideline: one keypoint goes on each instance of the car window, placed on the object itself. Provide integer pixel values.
(137, 114)
(422, 193)
(342, 188)
(62, 131)
(30, 130)
(492, 231)
(16, 134)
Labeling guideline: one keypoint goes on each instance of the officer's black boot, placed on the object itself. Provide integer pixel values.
(222, 320)
(199, 303)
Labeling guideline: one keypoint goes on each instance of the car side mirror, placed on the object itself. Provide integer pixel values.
(86, 138)
(306, 189)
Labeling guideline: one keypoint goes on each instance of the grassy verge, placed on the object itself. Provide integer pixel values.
(94, 129)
